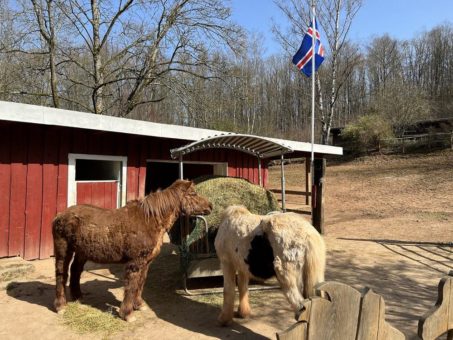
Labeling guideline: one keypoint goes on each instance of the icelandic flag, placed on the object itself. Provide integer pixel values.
(302, 59)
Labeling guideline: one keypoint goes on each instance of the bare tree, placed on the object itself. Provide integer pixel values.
(336, 17)
(45, 16)
(140, 44)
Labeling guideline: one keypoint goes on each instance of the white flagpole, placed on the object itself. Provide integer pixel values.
(313, 97)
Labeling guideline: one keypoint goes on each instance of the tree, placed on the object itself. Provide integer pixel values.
(368, 132)
(335, 17)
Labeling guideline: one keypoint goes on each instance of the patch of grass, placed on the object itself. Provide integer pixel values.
(85, 319)
(15, 271)
(435, 215)
(215, 300)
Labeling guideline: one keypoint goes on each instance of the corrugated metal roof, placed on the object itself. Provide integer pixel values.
(255, 145)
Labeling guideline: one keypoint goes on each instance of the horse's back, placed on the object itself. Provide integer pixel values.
(291, 235)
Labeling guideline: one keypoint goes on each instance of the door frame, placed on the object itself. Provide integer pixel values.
(72, 184)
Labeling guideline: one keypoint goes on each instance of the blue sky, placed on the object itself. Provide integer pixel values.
(402, 19)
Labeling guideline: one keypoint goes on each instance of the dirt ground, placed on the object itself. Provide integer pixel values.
(389, 226)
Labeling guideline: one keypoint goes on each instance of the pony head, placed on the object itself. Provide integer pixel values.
(191, 202)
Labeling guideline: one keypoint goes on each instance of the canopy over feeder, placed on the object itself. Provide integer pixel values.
(260, 147)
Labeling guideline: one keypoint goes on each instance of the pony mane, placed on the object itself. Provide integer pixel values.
(160, 203)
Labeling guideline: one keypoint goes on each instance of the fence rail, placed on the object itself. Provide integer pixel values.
(427, 141)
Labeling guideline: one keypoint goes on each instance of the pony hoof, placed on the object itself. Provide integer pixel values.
(242, 315)
(222, 321)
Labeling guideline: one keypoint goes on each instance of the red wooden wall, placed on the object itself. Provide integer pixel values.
(34, 176)
(100, 194)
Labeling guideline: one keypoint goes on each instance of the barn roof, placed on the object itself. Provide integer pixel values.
(34, 114)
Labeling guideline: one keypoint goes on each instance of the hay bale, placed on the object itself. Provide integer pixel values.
(225, 191)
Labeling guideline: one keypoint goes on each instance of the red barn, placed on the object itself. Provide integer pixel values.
(52, 158)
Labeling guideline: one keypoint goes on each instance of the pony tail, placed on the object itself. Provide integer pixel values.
(315, 263)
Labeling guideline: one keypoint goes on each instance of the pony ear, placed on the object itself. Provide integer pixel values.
(185, 185)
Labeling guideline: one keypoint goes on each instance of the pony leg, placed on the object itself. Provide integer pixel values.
(229, 285)
(131, 288)
(76, 272)
(289, 277)
(139, 304)
(243, 287)
(63, 256)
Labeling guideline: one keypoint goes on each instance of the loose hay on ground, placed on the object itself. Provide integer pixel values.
(86, 319)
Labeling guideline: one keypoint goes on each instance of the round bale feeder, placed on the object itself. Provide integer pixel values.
(194, 237)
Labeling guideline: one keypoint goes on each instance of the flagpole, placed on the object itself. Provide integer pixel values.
(313, 40)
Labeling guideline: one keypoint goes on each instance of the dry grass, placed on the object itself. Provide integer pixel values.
(85, 319)
(400, 197)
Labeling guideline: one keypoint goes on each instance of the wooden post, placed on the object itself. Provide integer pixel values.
(451, 140)
(307, 180)
(260, 180)
(283, 182)
(317, 202)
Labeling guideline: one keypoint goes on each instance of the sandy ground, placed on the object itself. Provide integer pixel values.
(389, 226)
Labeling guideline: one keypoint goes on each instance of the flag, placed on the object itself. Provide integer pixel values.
(302, 59)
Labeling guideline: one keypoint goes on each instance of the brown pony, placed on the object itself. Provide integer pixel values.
(132, 235)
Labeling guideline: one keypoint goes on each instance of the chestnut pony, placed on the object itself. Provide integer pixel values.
(132, 235)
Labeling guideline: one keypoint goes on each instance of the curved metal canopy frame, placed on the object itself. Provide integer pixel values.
(257, 146)
(260, 147)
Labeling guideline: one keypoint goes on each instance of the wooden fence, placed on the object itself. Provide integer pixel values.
(345, 313)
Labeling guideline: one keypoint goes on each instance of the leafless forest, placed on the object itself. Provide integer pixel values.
(186, 62)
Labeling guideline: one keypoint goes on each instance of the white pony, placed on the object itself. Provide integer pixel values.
(259, 247)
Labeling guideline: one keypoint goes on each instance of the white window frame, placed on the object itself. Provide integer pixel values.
(220, 168)
(72, 184)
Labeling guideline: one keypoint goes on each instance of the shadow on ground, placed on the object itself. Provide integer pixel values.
(408, 285)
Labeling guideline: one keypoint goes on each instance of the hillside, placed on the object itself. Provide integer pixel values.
(403, 197)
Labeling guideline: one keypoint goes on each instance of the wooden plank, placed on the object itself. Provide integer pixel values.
(5, 187)
(132, 168)
(79, 141)
(50, 190)
(337, 318)
(265, 170)
(94, 146)
(298, 331)
(372, 324)
(33, 207)
(98, 194)
(142, 167)
(84, 193)
(108, 204)
(231, 159)
(62, 181)
(439, 319)
(289, 192)
(18, 190)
